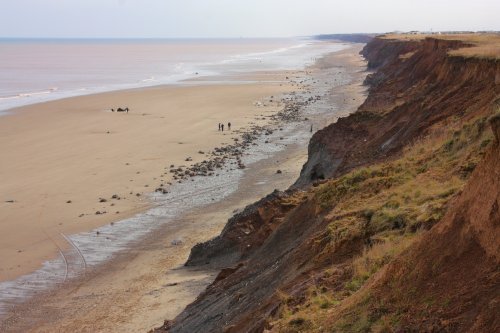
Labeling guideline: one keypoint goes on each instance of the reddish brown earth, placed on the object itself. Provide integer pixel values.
(408, 96)
(448, 281)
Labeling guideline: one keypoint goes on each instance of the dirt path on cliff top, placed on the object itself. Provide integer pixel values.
(139, 289)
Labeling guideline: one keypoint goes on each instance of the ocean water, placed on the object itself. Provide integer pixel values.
(88, 250)
(38, 70)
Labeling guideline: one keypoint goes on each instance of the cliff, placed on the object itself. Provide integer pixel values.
(416, 86)
(393, 224)
(448, 281)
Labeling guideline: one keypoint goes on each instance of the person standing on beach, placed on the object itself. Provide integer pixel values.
(222, 127)
(228, 126)
(219, 126)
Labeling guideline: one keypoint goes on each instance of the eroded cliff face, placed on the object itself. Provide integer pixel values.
(417, 86)
(449, 281)
(287, 261)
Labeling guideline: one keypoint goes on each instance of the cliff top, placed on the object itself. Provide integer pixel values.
(485, 45)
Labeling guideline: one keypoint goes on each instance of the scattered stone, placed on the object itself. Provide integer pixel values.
(69, 201)
(229, 154)
(102, 200)
(278, 171)
(162, 190)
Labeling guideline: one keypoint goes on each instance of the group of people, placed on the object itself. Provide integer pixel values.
(120, 110)
(221, 127)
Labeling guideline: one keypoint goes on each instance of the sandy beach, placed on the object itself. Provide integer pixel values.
(146, 284)
(77, 150)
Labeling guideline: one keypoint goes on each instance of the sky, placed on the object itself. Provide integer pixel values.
(238, 18)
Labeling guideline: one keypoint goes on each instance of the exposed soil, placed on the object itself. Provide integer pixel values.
(276, 250)
(141, 286)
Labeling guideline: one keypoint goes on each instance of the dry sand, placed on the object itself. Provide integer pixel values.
(141, 288)
(77, 150)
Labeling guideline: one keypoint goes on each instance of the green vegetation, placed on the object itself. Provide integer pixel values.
(387, 204)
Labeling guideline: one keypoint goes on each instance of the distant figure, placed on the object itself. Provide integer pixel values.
(311, 128)
(228, 126)
(219, 126)
(222, 127)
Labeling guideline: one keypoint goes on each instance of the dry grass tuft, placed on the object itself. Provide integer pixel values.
(377, 256)
(485, 45)
(390, 205)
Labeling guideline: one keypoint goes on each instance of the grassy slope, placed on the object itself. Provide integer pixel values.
(392, 203)
(483, 45)
(307, 265)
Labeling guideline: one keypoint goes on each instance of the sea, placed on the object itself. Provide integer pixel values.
(33, 71)
(40, 70)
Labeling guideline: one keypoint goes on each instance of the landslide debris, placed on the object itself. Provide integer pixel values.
(393, 225)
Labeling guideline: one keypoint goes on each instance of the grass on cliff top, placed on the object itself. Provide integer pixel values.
(389, 204)
(486, 45)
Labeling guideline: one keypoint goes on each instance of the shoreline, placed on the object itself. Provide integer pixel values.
(169, 71)
(288, 174)
(93, 147)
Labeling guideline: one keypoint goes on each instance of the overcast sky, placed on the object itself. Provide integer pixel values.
(239, 18)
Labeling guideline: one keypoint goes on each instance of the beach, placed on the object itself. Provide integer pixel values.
(72, 158)
(78, 150)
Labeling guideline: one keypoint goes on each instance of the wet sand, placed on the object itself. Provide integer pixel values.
(147, 284)
(77, 150)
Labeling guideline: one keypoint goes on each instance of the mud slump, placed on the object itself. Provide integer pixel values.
(84, 252)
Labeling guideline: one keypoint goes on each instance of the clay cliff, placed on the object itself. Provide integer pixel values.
(393, 224)
(449, 281)
(415, 86)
